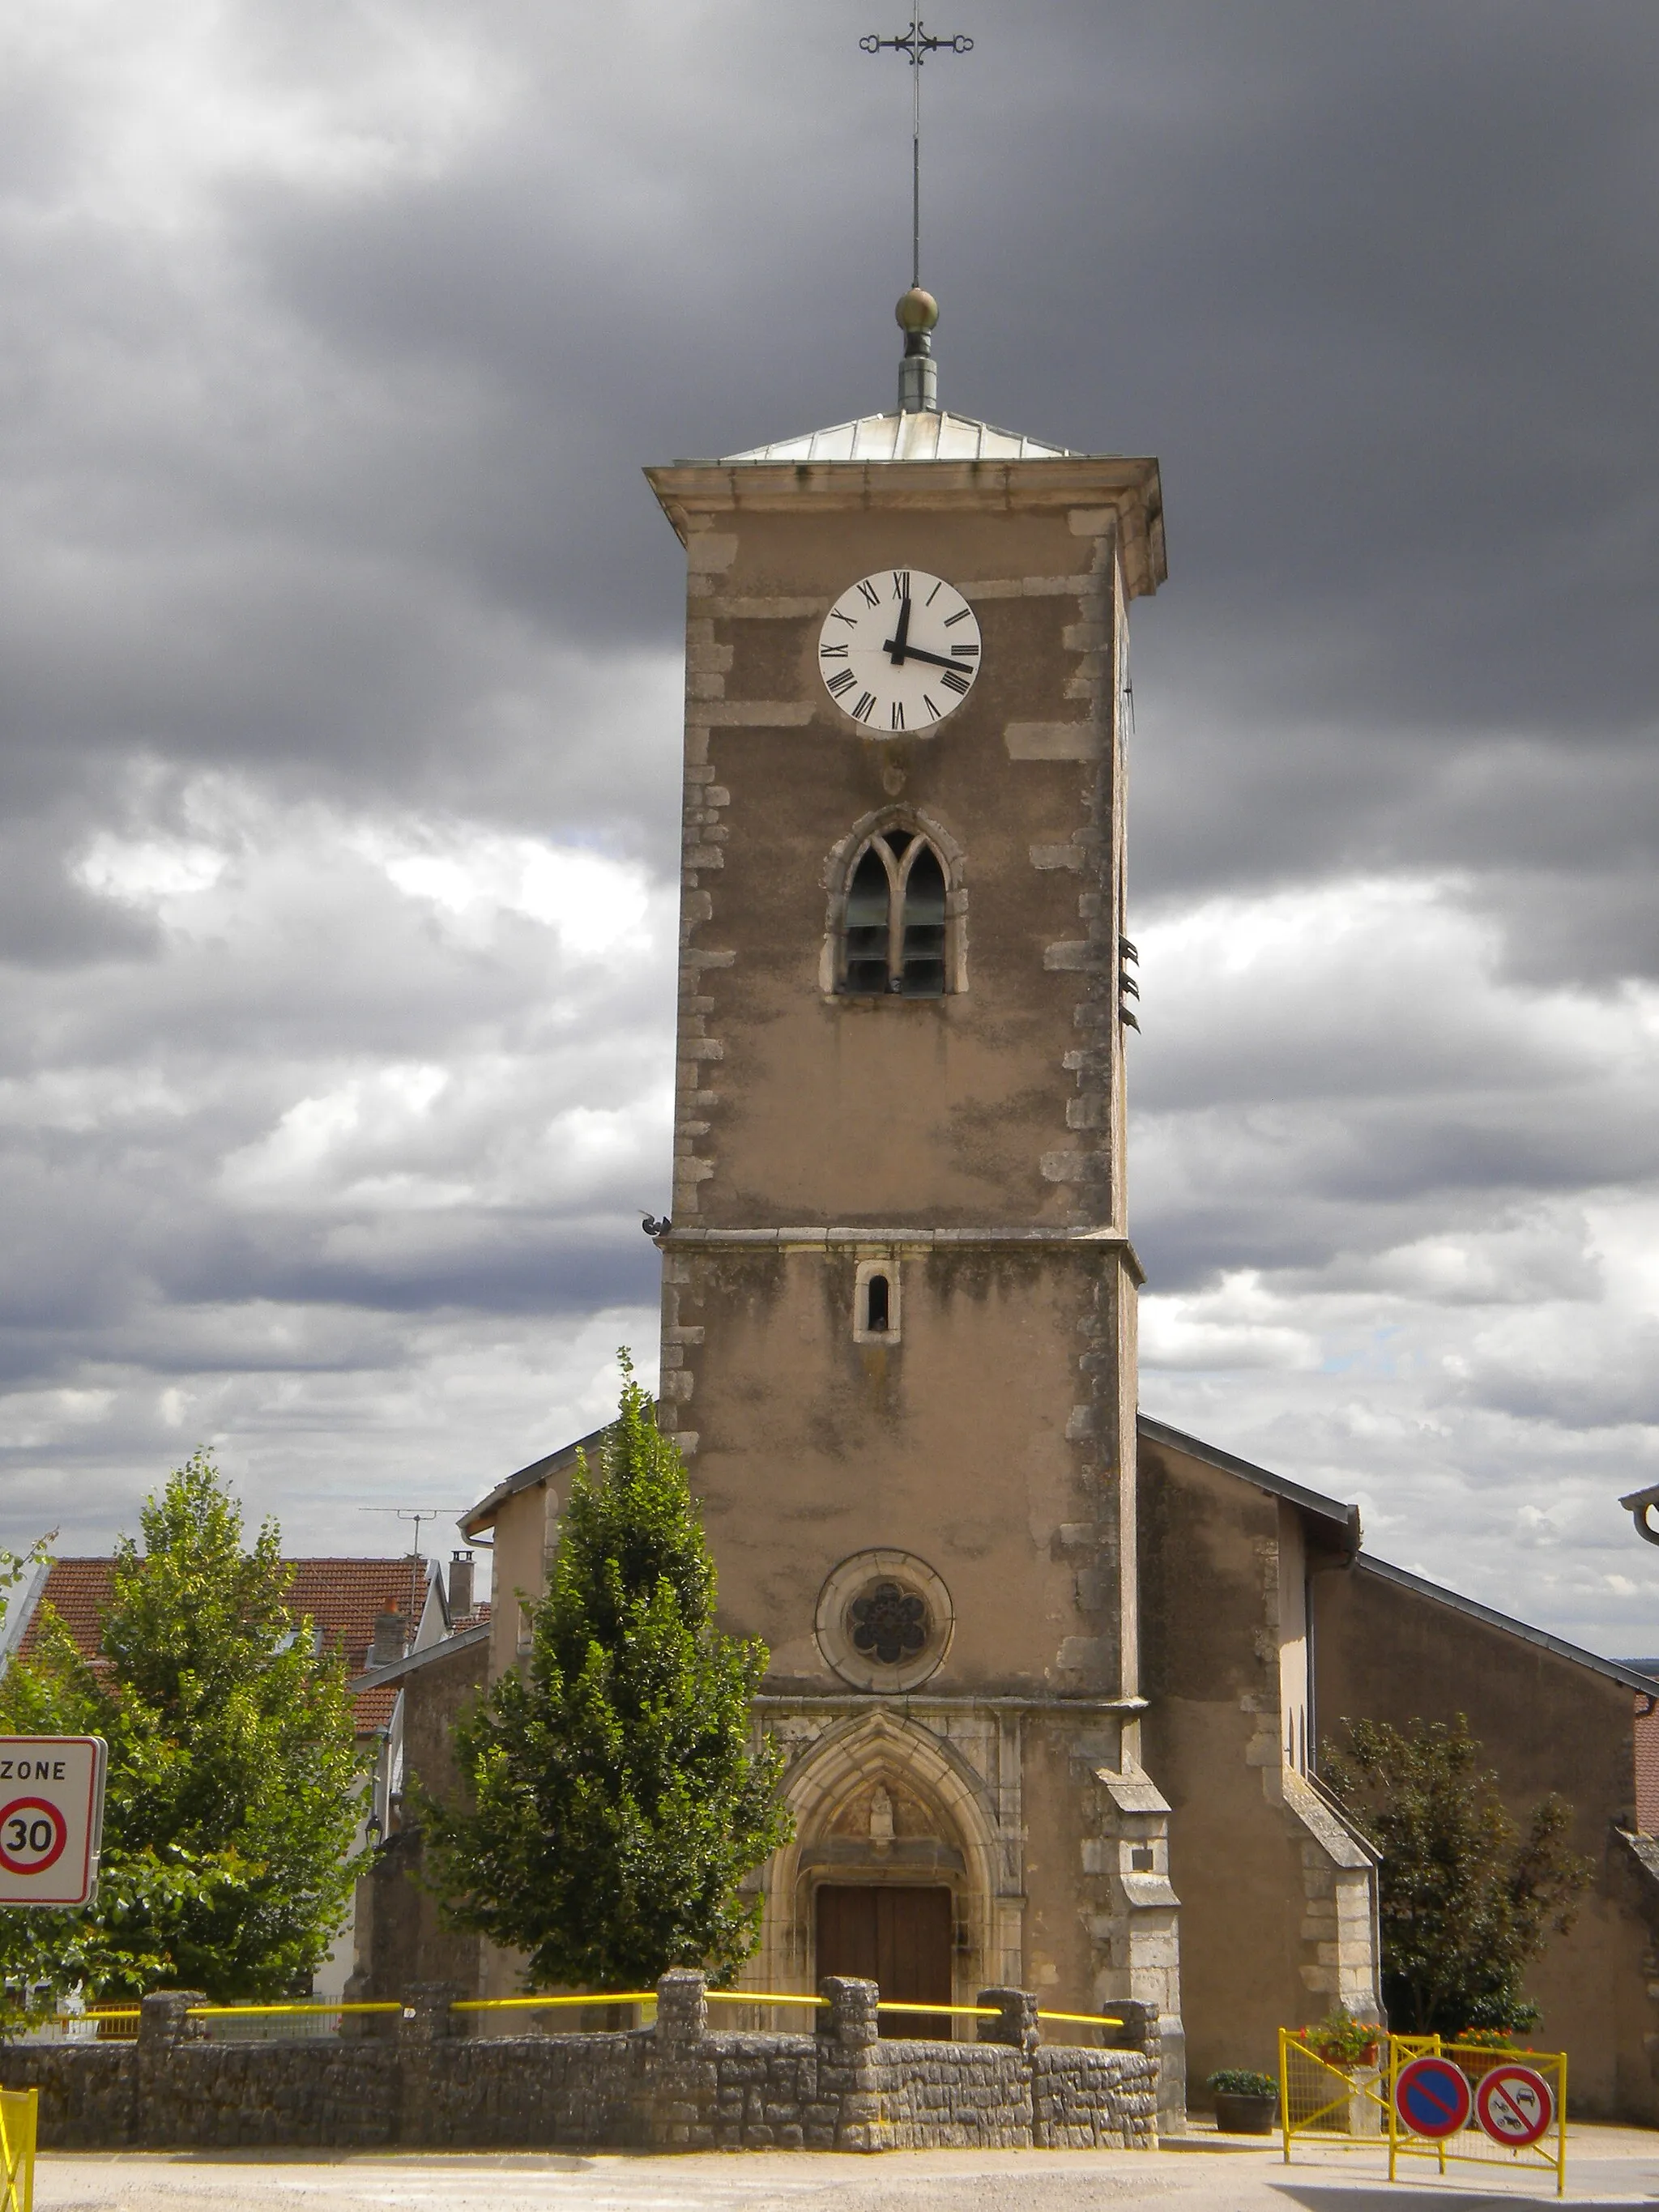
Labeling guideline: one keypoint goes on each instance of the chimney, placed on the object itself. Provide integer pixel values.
(460, 1584)
(391, 1639)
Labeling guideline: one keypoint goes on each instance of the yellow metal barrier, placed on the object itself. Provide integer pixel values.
(272, 2011)
(19, 2111)
(763, 1997)
(1320, 2100)
(541, 2004)
(1472, 2145)
(1316, 2098)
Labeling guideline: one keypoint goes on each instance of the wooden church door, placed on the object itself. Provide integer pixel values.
(899, 1938)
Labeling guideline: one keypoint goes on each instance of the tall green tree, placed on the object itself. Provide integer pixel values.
(617, 1800)
(1467, 1898)
(231, 1798)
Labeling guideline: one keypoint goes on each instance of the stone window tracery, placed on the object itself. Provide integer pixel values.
(897, 923)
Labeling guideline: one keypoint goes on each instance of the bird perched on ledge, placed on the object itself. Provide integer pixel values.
(653, 1227)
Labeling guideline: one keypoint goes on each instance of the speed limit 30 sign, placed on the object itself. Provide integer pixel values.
(51, 1818)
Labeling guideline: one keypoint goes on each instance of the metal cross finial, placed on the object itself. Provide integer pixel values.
(915, 45)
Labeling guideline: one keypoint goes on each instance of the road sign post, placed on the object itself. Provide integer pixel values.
(51, 1818)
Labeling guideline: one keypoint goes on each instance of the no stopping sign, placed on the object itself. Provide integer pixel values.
(1514, 2105)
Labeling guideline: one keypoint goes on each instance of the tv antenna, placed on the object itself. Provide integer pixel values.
(417, 1514)
(915, 45)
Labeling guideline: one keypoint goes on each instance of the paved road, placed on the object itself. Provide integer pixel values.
(1605, 2167)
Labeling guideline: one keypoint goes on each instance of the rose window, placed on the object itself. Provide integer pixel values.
(889, 1623)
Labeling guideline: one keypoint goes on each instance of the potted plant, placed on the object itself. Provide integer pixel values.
(1245, 2102)
(1344, 2042)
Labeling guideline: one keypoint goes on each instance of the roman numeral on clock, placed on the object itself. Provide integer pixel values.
(832, 653)
(851, 621)
(954, 680)
(959, 652)
(898, 713)
(868, 592)
(861, 711)
(841, 681)
(900, 583)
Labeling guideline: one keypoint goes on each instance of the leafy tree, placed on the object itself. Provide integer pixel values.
(616, 1801)
(1467, 1898)
(230, 1803)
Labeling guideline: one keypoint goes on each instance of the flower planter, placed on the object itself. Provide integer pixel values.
(1244, 2115)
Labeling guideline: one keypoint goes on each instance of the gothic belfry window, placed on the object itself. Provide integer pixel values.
(896, 920)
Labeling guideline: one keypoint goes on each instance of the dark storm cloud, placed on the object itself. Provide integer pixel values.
(330, 593)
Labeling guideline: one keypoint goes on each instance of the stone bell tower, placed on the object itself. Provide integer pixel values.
(899, 1293)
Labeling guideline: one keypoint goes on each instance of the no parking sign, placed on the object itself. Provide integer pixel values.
(1432, 2098)
(51, 1818)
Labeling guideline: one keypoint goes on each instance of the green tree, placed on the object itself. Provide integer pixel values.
(231, 1795)
(616, 1798)
(1467, 1898)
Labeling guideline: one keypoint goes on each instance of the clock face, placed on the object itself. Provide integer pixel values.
(899, 651)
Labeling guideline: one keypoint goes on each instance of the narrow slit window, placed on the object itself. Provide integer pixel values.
(876, 1295)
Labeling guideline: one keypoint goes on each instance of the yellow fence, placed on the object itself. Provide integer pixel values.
(276, 2021)
(18, 2112)
(1320, 2100)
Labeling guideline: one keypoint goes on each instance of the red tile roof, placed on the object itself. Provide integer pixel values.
(341, 1595)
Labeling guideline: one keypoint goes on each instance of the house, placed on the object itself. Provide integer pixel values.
(361, 1607)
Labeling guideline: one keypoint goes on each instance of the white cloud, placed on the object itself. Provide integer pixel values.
(1437, 1328)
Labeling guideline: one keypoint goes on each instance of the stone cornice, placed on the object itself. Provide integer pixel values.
(882, 1238)
(1092, 486)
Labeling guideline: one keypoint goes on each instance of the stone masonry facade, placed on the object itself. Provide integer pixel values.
(672, 2087)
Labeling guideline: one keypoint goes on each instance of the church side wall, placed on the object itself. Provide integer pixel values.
(1386, 1652)
(1245, 1869)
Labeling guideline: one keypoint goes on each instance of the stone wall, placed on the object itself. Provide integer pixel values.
(673, 2086)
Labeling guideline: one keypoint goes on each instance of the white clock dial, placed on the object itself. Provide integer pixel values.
(899, 651)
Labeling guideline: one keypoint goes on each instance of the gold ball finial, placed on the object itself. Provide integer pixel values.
(917, 311)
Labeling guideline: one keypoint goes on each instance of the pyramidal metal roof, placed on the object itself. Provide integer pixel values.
(928, 436)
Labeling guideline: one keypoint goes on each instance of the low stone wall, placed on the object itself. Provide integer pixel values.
(673, 2086)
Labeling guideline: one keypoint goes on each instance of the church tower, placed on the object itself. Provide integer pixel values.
(899, 1292)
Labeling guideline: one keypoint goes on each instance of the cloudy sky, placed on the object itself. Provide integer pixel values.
(339, 668)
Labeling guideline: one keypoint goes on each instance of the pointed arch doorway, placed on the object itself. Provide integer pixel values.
(896, 1935)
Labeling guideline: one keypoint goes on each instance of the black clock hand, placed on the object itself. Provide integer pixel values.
(895, 645)
(934, 660)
